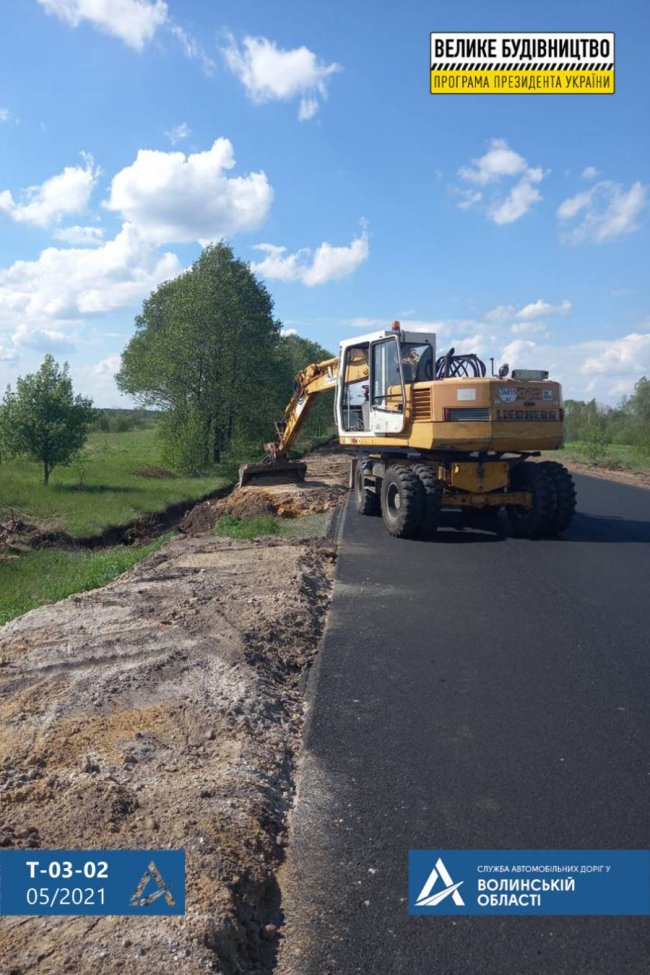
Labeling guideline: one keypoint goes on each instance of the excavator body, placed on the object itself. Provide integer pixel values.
(429, 432)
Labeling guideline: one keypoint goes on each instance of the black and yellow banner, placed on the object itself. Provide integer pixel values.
(522, 63)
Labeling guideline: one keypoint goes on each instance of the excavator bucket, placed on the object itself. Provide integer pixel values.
(272, 472)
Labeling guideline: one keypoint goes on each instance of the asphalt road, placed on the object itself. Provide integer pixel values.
(474, 692)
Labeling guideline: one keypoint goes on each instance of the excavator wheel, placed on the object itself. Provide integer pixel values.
(565, 496)
(534, 522)
(432, 490)
(366, 502)
(402, 502)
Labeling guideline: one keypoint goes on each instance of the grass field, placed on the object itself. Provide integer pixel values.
(47, 575)
(623, 455)
(118, 479)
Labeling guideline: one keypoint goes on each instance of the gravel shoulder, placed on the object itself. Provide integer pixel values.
(166, 710)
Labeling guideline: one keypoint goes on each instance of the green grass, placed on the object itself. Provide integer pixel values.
(47, 575)
(310, 526)
(105, 489)
(624, 456)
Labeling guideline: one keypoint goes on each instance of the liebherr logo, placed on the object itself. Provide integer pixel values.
(427, 899)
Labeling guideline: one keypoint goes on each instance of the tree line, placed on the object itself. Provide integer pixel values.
(597, 426)
(207, 353)
(210, 357)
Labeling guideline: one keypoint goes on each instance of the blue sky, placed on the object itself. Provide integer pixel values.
(132, 131)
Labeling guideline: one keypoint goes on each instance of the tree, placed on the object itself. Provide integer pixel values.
(44, 418)
(297, 353)
(205, 352)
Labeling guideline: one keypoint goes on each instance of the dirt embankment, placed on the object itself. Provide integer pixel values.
(323, 489)
(635, 478)
(165, 710)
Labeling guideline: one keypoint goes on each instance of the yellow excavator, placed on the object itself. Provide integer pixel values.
(430, 432)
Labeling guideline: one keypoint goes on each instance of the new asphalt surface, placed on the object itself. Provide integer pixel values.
(474, 692)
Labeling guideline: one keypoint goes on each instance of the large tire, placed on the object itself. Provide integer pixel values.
(402, 502)
(366, 502)
(565, 496)
(432, 489)
(536, 521)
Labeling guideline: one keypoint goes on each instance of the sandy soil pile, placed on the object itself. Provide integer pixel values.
(164, 710)
(323, 489)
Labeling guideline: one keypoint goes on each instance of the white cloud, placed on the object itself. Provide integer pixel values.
(536, 308)
(191, 48)
(519, 200)
(604, 369)
(5, 115)
(326, 264)
(8, 355)
(589, 172)
(171, 197)
(468, 198)
(67, 192)
(517, 351)
(607, 211)
(178, 132)
(66, 283)
(269, 73)
(500, 313)
(80, 236)
(42, 339)
(133, 21)
(500, 160)
(499, 165)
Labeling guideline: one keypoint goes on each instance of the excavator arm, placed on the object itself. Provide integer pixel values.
(319, 377)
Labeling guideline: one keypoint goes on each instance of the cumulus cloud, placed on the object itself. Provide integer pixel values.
(42, 339)
(589, 172)
(269, 73)
(66, 193)
(605, 211)
(66, 283)
(519, 200)
(604, 369)
(80, 236)
(325, 264)
(133, 21)
(8, 355)
(540, 307)
(500, 160)
(171, 197)
(178, 133)
(494, 172)
(5, 114)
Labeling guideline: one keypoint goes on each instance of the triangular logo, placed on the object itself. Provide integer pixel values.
(427, 899)
(151, 875)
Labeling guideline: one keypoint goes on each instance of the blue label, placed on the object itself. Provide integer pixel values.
(143, 882)
(444, 882)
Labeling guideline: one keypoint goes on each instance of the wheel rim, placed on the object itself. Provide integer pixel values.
(393, 500)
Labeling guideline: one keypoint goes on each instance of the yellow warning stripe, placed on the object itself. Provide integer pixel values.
(587, 82)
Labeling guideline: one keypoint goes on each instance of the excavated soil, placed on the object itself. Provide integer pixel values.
(166, 710)
(322, 490)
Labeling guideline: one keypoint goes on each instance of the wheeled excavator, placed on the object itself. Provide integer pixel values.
(430, 432)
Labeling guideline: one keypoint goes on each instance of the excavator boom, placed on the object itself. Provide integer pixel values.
(319, 377)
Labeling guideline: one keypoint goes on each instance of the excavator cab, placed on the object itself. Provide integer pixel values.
(375, 371)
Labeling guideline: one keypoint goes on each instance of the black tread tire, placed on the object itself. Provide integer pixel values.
(402, 484)
(432, 489)
(532, 522)
(366, 502)
(565, 496)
